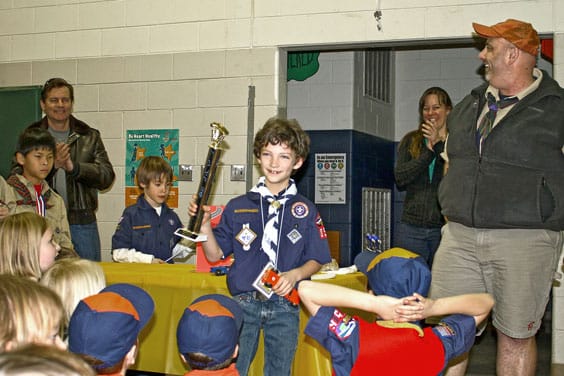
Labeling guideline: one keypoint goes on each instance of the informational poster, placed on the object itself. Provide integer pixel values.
(145, 142)
(330, 178)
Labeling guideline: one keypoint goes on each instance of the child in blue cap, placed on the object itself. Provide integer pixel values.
(395, 343)
(104, 328)
(208, 335)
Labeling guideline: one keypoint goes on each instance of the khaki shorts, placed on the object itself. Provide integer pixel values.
(516, 266)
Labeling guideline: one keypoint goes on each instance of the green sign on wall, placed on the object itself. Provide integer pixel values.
(302, 65)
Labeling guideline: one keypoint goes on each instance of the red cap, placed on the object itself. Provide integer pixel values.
(519, 33)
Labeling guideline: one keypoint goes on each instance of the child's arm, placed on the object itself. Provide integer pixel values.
(211, 248)
(132, 255)
(289, 279)
(122, 244)
(314, 295)
(477, 305)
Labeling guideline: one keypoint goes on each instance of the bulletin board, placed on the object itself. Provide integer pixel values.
(19, 107)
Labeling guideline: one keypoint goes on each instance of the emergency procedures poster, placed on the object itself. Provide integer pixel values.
(145, 142)
(330, 178)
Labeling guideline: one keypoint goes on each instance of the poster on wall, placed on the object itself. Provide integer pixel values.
(330, 178)
(302, 65)
(150, 142)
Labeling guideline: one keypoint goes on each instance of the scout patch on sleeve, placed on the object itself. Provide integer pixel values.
(444, 330)
(320, 227)
(342, 325)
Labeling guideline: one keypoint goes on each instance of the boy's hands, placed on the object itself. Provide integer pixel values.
(286, 282)
(193, 209)
(4, 211)
(413, 308)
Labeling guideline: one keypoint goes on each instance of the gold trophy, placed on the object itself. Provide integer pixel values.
(192, 232)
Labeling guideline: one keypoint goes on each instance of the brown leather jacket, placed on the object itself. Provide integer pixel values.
(92, 171)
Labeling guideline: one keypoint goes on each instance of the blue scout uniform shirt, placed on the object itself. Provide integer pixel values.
(140, 227)
(358, 347)
(302, 238)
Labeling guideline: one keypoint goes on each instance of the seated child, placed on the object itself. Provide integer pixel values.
(74, 279)
(26, 190)
(145, 232)
(104, 328)
(29, 313)
(208, 335)
(393, 347)
(27, 248)
(36, 359)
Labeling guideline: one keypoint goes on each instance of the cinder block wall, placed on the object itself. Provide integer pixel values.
(185, 63)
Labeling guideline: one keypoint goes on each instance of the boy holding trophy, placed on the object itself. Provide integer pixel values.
(270, 228)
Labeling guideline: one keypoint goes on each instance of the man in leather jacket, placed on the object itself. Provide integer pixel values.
(82, 167)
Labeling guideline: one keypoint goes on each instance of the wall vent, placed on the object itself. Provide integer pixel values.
(376, 215)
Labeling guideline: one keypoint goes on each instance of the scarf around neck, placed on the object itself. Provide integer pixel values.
(271, 228)
(40, 201)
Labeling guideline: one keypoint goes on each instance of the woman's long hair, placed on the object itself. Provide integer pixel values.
(415, 138)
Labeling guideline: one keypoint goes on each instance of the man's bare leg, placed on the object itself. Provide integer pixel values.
(516, 357)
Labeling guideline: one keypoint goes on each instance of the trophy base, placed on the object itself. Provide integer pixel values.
(191, 235)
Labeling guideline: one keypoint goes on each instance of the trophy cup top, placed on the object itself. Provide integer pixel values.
(218, 134)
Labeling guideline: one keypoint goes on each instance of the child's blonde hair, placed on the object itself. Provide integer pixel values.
(34, 359)
(20, 243)
(29, 312)
(74, 279)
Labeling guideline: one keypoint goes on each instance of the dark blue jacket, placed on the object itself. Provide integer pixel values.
(140, 227)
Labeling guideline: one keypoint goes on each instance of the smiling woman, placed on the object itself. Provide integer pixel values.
(418, 171)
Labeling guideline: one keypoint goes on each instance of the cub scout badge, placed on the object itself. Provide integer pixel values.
(342, 325)
(294, 236)
(246, 236)
(299, 210)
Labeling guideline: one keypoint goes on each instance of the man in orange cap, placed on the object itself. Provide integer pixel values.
(503, 194)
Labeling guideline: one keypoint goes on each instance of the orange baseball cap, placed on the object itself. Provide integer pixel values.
(519, 33)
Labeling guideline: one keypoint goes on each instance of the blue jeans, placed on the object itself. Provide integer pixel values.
(86, 241)
(279, 320)
(421, 240)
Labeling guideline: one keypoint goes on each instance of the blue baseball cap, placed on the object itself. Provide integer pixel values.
(105, 326)
(395, 272)
(210, 325)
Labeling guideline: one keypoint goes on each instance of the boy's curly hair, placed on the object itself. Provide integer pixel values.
(282, 131)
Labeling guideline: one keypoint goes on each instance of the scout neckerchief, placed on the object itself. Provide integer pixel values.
(487, 122)
(271, 229)
(40, 201)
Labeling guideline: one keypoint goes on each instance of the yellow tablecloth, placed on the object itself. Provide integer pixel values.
(173, 287)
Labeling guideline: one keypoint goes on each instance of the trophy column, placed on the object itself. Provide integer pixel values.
(192, 232)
